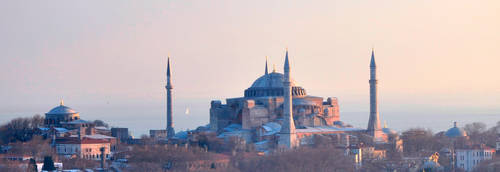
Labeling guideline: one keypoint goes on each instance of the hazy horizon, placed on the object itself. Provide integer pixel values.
(107, 59)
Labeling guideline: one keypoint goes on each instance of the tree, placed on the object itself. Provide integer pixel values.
(301, 159)
(10, 166)
(100, 123)
(48, 164)
(37, 147)
(419, 140)
(32, 166)
(20, 129)
(79, 163)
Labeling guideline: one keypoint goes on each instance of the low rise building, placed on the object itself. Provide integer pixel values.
(158, 134)
(83, 147)
(467, 158)
(121, 134)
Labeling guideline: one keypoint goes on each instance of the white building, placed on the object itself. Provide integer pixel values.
(468, 158)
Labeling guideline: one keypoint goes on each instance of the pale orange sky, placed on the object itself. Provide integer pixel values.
(442, 54)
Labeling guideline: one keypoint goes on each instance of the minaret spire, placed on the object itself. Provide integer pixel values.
(374, 128)
(372, 61)
(287, 136)
(266, 67)
(287, 64)
(169, 87)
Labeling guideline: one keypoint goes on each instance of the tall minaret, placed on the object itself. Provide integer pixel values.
(170, 126)
(266, 67)
(287, 135)
(374, 128)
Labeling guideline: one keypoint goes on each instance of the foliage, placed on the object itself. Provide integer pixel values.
(100, 123)
(10, 166)
(48, 164)
(79, 163)
(36, 147)
(141, 155)
(419, 140)
(20, 129)
(301, 159)
(32, 166)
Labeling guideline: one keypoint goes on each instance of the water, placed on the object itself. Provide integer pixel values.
(141, 118)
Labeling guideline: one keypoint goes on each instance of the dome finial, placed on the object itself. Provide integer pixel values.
(274, 68)
(62, 102)
(455, 124)
(385, 124)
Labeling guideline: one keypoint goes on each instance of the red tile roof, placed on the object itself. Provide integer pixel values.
(76, 140)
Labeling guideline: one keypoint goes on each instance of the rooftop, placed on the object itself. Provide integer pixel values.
(76, 140)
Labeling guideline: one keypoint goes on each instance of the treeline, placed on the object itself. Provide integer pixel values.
(425, 140)
(22, 129)
(172, 158)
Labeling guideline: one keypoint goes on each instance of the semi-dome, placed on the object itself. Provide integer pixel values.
(455, 132)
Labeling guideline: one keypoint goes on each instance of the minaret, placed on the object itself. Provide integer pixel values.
(170, 126)
(374, 128)
(287, 135)
(266, 67)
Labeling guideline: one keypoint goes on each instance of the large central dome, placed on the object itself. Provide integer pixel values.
(61, 109)
(271, 80)
(272, 85)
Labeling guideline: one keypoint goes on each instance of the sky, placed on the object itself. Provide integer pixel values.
(107, 59)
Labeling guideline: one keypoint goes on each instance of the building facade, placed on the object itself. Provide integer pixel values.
(468, 158)
(264, 102)
(275, 105)
(87, 148)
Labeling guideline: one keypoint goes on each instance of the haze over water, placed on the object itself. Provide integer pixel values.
(437, 61)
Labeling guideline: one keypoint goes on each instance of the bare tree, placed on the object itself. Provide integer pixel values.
(20, 129)
(302, 159)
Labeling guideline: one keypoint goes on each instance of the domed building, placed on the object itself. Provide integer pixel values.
(455, 132)
(263, 102)
(60, 114)
(275, 112)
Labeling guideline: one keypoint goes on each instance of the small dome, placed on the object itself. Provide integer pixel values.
(271, 80)
(62, 110)
(455, 132)
(389, 131)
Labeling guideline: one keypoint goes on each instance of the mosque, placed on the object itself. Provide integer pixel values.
(278, 113)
